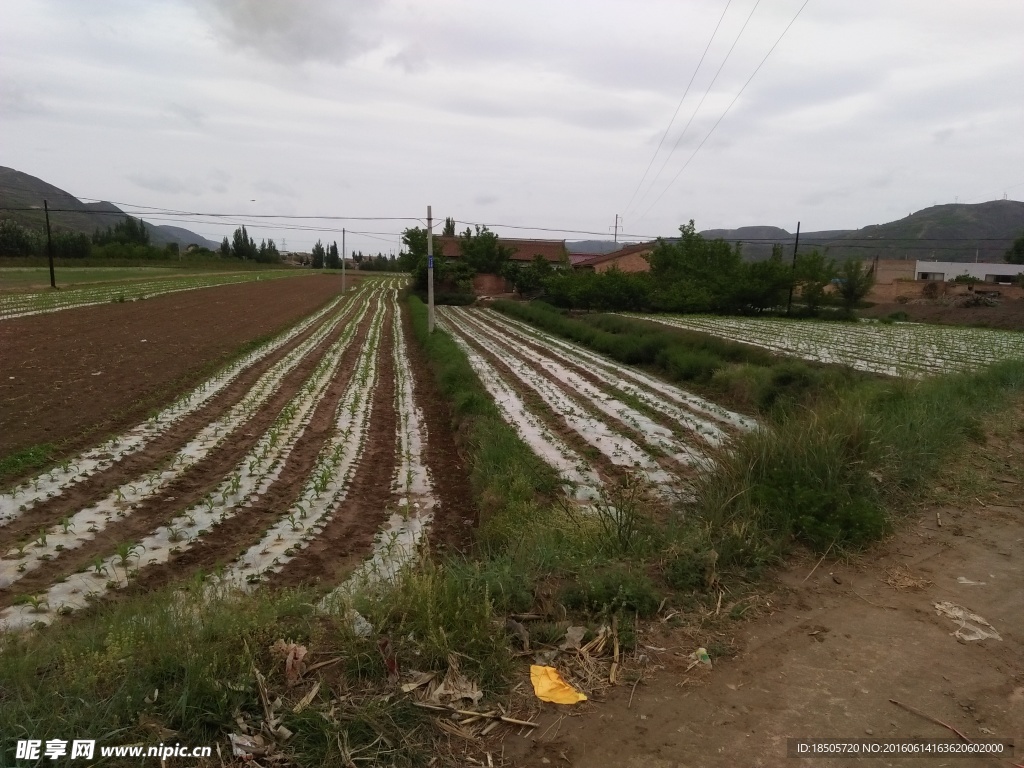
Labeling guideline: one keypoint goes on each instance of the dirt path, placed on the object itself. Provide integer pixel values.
(830, 650)
(70, 377)
(455, 514)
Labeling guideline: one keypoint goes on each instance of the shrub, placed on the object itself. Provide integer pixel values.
(612, 589)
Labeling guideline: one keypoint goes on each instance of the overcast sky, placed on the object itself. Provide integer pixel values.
(540, 114)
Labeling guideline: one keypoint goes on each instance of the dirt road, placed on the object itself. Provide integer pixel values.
(834, 649)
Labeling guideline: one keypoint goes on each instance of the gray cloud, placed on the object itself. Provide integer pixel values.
(159, 182)
(191, 115)
(16, 101)
(293, 31)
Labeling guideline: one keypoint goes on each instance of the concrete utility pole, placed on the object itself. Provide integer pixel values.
(617, 220)
(342, 259)
(796, 244)
(49, 244)
(430, 271)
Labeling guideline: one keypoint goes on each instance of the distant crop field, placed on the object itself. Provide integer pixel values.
(38, 278)
(897, 349)
(114, 284)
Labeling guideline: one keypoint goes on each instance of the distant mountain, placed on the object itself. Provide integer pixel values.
(20, 191)
(952, 232)
(593, 246)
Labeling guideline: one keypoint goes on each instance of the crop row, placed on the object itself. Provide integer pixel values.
(35, 303)
(898, 349)
(297, 524)
(568, 403)
(74, 470)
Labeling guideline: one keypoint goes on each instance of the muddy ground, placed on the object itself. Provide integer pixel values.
(1008, 314)
(834, 645)
(74, 376)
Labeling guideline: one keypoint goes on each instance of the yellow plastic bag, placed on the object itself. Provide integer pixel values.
(549, 686)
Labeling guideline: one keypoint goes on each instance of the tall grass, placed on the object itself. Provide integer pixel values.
(509, 481)
(833, 475)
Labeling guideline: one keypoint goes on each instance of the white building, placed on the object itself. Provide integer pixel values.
(987, 272)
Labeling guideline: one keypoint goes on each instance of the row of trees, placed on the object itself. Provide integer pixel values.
(242, 246)
(126, 239)
(693, 274)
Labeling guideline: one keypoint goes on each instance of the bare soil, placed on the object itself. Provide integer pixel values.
(833, 646)
(455, 511)
(1008, 314)
(349, 534)
(184, 491)
(72, 377)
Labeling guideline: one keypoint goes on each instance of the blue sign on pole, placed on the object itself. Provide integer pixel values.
(430, 262)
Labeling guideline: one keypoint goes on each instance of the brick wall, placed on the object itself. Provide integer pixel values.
(891, 270)
(631, 262)
(489, 285)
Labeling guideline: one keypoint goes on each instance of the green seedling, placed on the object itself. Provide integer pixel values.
(36, 602)
(66, 525)
(41, 539)
(124, 552)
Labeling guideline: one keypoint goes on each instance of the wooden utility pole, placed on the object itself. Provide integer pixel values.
(342, 259)
(796, 244)
(49, 243)
(430, 271)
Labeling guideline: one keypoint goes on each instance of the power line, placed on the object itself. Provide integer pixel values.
(557, 231)
(699, 104)
(735, 98)
(678, 107)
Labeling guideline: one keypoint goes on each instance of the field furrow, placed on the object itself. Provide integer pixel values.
(599, 402)
(581, 480)
(703, 418)
(621, 451)
(228, 476)
(51, 486)
(332, 486)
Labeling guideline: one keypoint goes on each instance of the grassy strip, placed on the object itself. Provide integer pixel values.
(508, 478)
(738, 375)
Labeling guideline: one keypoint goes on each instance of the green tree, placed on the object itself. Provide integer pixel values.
(333, 259)
(268, 252)
(813, 273)
(243, 246)
(16, 240)
(855, 281)
(449, 227)
(225, 247)
(1016, 253)
(71, 245)
(482, 251)
(319, 255)
(131, 231)
(529, 278)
